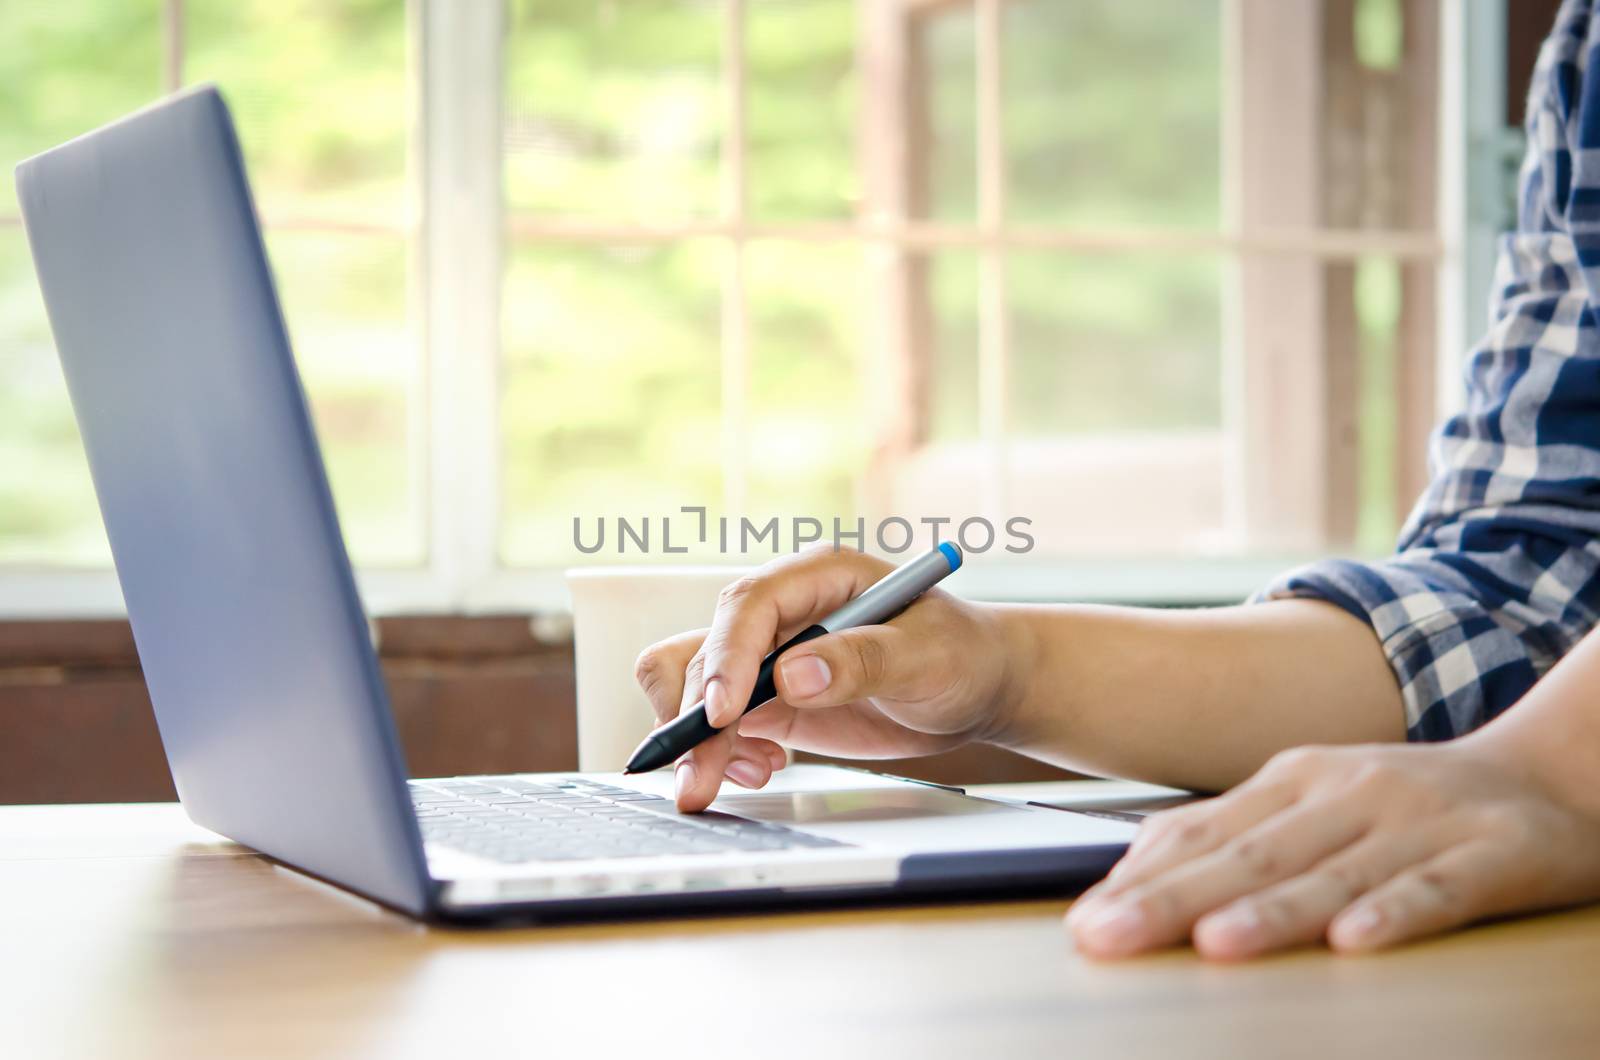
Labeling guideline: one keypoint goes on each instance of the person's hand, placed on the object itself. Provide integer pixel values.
(929, 680)
(1365, 845)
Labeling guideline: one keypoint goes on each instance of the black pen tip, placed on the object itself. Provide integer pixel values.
(647, 758)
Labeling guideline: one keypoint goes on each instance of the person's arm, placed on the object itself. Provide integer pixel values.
(1194, 699)
(1371, 846)
(1197, 699)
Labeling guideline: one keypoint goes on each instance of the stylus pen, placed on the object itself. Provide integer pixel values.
(889, 596)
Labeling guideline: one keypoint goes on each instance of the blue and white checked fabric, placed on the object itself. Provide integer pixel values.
(1497, 571)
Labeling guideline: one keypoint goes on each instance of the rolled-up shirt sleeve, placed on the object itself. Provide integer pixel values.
(1458, 657)
(1497, 572)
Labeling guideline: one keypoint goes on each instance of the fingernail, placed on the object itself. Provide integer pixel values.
(716, 702)
(683, 779)
(1088, 904)
(1242, 923)
(805, 676)
(1361, 924)
(745, 773)
(1114, 930)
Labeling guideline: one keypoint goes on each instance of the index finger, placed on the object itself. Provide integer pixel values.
(661, 671)
(1172, 837)
(793, 591)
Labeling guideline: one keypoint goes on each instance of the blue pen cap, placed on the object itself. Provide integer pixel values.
(895, 591)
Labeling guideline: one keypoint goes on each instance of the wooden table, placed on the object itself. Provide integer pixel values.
(126, 931)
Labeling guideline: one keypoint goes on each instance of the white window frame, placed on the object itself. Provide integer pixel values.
(459, 53)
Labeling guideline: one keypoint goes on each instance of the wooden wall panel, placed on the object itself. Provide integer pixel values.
(470, 695)
(81, 740)
(485, 718)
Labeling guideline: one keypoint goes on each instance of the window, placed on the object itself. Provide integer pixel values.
(47, 507)
(1158, 277)
(321, 96)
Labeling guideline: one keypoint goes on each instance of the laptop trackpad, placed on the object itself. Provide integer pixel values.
(810, 808)
(907, 817)
(874, 811)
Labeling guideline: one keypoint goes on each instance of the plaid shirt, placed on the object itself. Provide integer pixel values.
(1497, 572)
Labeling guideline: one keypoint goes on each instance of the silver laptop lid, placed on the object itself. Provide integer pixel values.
(253, 641)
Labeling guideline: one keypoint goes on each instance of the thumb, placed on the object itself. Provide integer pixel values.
(857, 663)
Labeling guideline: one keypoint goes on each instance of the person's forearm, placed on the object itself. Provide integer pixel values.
(1194, 699)
(1371, 846)
(1552, 735)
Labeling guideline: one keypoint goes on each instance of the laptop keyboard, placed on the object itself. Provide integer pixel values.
(511, 820)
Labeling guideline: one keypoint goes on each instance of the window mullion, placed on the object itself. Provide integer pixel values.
(1278, 411)
(735, 326)
(172, 44)
(461, 63)
(1475, 167)
(993, 329)
(1417, 142)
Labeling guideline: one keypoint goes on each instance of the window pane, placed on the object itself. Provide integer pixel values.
(1121, 495)
(1113, 112)
(47, 507)
(66, 68)
(943, 471)
(1379, 302)
(319, 93)
(1116, 442)
(947, 42)
(810, 420)
(802, 108)
(345, 296)
(952, 311)
(613, 108)
(612, 391)
(1376, 116)
(1114, 343)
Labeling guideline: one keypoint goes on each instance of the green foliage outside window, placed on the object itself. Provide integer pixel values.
(611, 371)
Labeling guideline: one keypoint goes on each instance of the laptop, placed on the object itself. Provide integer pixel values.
(256, 650)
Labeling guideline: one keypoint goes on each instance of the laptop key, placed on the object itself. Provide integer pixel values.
(512, 821)
(525, 786)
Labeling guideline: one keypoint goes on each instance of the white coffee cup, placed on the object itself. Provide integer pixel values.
(617, 612)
